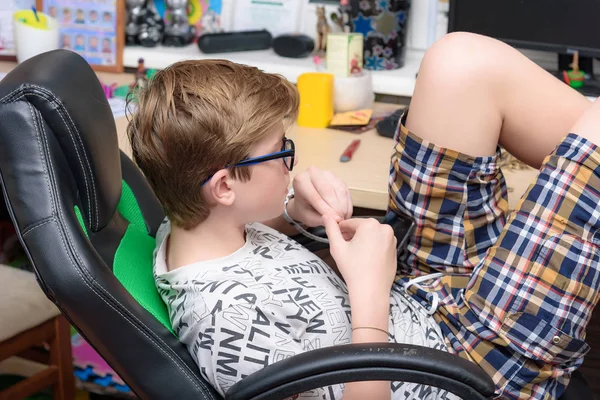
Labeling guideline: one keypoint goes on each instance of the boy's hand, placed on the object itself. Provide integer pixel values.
(319, 193)
(365, 253)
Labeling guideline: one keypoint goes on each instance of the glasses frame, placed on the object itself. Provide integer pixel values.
(291, 153)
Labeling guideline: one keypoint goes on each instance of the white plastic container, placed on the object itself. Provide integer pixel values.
(353, 93)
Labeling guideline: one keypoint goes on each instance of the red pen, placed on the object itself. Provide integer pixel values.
(349, 152)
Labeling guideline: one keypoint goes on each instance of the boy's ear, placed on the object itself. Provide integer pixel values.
(220, 189)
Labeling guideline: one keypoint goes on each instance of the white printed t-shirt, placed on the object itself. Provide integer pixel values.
(270, 300)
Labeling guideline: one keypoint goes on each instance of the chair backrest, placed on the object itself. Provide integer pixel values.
(86, 218)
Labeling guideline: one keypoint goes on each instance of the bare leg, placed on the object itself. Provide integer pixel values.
(474, 92)
(588, 126)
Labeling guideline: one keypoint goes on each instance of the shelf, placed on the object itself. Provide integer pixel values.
(399, 82)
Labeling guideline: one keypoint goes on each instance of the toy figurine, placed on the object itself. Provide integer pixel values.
(141, 81)
(343, 22)
(178, 31)
(323, 30)
(144, 26)
(575, 78)
(210, 22)
(343, 19)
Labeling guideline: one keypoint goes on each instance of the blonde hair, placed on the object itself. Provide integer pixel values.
(196, 117)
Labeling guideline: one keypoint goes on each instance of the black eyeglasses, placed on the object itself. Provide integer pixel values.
(287, 152)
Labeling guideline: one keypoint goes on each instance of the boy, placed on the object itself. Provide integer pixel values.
(66, 42)
(93, 44)
(195, 119)
(79, 43)
(106, 46)
(513, 294)
(66, 18)
(79, 16)
(93, 16)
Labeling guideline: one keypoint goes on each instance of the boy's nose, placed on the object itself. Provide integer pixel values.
(295, 160)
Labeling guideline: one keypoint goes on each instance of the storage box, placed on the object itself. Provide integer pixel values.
(345, 53)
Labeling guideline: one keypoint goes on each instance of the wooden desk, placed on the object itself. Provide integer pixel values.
(366, 175)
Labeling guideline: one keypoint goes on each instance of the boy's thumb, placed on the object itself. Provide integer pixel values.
(332, 229)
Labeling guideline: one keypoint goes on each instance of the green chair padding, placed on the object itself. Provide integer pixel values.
(133, 265)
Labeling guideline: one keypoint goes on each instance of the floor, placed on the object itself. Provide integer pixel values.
(22, 367)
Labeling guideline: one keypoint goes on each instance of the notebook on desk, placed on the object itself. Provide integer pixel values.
(376, 118)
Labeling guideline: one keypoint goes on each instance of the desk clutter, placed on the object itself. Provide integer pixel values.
(381, 25)
(344, 47)
(355, 38)
(99, 29)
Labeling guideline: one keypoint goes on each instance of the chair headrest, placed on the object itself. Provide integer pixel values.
(62, 86)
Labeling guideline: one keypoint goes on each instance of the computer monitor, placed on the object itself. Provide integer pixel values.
(561, 26)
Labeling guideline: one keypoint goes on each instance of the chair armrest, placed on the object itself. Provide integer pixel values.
(365, 362)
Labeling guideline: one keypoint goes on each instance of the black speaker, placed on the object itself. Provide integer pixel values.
(293, 45)
(235, 41)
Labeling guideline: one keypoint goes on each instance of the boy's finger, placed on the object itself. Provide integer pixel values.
(350, 207)
(328, 190)
(333, 231)
(351, 225)
(342, 198)
(347, 235)
(312, 218)
(328, 180)
(325, 187)
(316, 201)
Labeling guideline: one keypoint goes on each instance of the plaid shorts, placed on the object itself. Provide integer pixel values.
(514, 292)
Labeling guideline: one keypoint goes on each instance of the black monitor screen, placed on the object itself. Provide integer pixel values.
(553, 25)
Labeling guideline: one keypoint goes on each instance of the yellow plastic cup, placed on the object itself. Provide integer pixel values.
(316, 99)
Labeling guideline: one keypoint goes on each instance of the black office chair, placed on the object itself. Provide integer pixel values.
(87, 218)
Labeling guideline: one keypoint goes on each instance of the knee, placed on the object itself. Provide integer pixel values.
(588, 124)
(459, 57)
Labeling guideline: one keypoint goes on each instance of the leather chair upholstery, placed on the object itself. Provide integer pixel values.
(58, 150)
